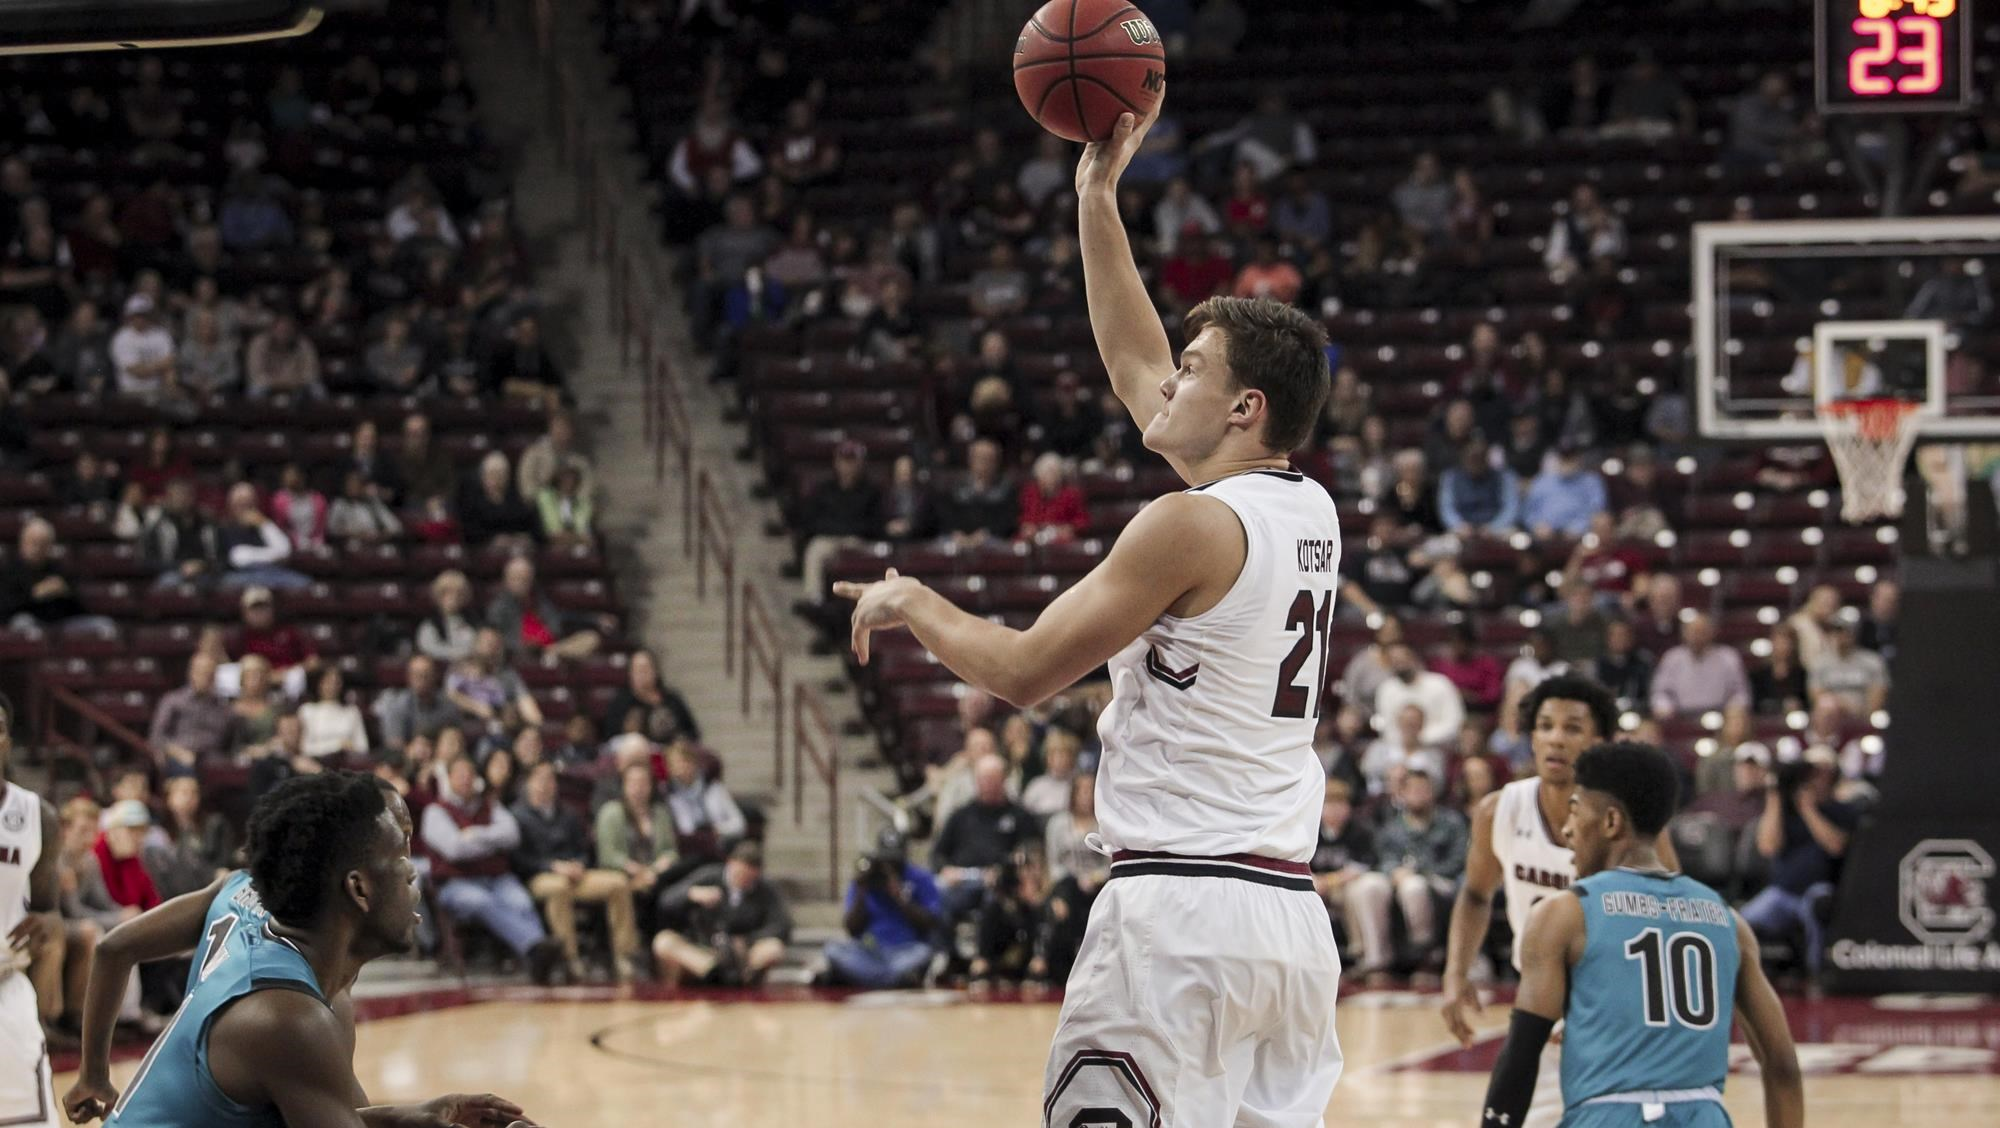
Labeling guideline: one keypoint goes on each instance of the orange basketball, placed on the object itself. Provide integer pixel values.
(1081, 63)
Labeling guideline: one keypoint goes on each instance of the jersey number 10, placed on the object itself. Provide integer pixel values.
(1292, 698)
(1677, 969)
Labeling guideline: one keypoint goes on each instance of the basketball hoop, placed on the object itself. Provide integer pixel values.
(1870, 440)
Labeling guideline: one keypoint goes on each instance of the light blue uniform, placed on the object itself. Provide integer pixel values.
(1646, 1033)
(239, 955)
(235, 904)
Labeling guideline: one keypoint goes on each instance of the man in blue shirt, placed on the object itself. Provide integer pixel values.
(893, 910)
(1564, 497)
(1803, 832)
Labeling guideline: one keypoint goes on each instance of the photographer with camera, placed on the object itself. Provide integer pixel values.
(1804, 833)
(737, 924)
(1008, 927)
(893, 912)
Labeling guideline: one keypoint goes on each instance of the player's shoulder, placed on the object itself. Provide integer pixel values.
(276, 1011)
(1181, 526)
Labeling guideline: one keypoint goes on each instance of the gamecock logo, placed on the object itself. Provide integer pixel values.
(1941, 891)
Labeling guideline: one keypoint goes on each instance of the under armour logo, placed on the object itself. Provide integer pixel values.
(1500, 1118)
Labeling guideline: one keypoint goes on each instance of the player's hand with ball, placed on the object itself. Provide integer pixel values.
(1105, 161)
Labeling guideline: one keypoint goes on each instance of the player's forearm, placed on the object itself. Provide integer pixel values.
(1471, 915)
(110, 969)
(1127, 328)
(982, 653)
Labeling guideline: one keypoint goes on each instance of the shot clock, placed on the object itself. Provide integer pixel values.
(1893, 56)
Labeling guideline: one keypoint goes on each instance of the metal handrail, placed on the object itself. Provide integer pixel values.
(822, 748)
(47, 697)
(714, 537)
(761, 653)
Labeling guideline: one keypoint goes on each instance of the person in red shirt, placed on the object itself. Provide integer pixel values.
(1478, 676)
(1190, 276)
(1248, 211)
(1052, 503)
(1268, 275)
(291, 655)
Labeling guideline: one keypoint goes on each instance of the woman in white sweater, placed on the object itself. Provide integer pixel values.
(332, 724)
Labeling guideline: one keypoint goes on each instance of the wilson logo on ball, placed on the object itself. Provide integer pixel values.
(1142, 32)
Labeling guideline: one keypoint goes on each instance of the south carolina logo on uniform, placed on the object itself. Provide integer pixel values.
(1941, 891)
(13, 821)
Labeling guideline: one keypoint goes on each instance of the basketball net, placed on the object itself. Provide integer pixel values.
(1870, 440)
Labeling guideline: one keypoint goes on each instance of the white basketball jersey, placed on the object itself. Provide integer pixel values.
(1208, 738)
(1533, 859)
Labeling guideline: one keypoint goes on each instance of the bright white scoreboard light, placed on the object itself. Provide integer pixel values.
(1893, 56)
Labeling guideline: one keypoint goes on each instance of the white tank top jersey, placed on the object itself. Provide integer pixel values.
(1533, 860)
(1208, 740)
(20, 849)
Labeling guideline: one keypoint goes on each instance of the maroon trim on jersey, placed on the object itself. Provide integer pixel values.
(1118, 1062)
(1257, 861)
(1180, 679)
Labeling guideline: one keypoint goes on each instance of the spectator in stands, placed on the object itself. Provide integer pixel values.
(281, 361)
(492, 513)
(553, 859)
(487, 689)
(1000, 288)
(892, 918)
(253, 715)
(1183, 214)
(395, 362)
(1423, 200)
(1302, 215)
(842, 511)
(567, 514)
(1345, 854)
(978, 837)
(735, 924)
(35, 591)
(142, 351)
(635, 830)
(1400, 750)
(1049, 793)
(891, 332)
(1564, 497)
(1576, 628)
(984, 505)
(1199, 269)
(725, 252)
(177, 540)
(1856, 678)
(1763, 122)
(1659, 614)
(424, 469)
(286, 648)
(1052, 508)
(1267, 275)
(706, 818)
(365, 458)
(447, 634)
(552, 452)
(201, 847)
(520, 368)
(1742, 802)
(1073, 422)
(1778, 685)
(251, 218)
(1422, 848)
(1811, 623)
(1534, 664)
(804, 152)
(1622, 667)
(646, 704)
(361, 514)
(1474, 497)
(118, 848)
(470, 838)
(299, 509)
(713, 142)
(1412, 495)
(1582, 236)
(1878, 626)
(332, 724)
(1049, 171)
(1699, 676)
(1270, 139)
(1365, 673)
(1804, 832)
(420, 709)
(530, 622)
(1649, 104)
(1477, 674)
(1409, 683)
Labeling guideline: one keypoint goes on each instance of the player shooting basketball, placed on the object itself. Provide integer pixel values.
(1212, 611)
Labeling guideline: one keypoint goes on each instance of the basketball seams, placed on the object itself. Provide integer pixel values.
(1035, 21)
(1110, 89)
(1076, 91)
(1094, 55)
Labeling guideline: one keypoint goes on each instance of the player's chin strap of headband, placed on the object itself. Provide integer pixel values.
(1512, 1089)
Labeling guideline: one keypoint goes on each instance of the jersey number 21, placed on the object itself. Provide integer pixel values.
(1312, 624)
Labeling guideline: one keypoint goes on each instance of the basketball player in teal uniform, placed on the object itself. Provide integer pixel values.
(1646, 968)
(259, 1040)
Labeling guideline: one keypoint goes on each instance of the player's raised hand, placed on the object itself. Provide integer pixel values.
(1461, 1000)
(877, 607)
(1104, 161)
(471, 1110)
(89, 1100)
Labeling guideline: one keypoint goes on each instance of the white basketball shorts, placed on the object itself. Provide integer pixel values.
(27, 1091)
(1202, 998)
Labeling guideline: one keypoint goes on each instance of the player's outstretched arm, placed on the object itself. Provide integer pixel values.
(1471, 916)
(1555, 930)
(163, 932)
(470, 1110)
(1172, 547)
(1122, 318)
(1769, 1036)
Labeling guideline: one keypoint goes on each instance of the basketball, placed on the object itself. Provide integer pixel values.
(1080, 63)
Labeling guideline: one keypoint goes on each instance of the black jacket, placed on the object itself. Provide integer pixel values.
(756, 913)
(548, 838)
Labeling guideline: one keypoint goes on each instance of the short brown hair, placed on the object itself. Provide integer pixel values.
(1277, 350)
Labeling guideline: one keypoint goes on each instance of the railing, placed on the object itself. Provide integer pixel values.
(708, 536)
(819, 744)
(761, 655)
(46, 701)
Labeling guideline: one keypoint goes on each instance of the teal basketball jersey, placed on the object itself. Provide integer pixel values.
(236, 904)
(240, 955)
(1652, 999)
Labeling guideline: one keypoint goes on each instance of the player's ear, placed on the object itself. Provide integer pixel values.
(355, 885)
(1249, 407)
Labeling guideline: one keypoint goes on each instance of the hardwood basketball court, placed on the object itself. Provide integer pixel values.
(585, 1059)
